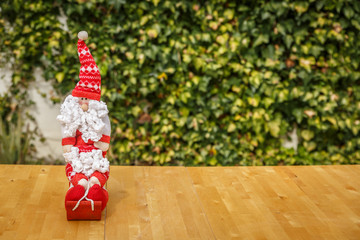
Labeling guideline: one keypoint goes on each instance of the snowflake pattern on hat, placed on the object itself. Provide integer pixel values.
(89, 85)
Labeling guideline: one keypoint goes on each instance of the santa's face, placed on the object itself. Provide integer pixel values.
(82, 114)
(84, 103)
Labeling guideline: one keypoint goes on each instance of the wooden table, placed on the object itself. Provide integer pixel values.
(305, 202)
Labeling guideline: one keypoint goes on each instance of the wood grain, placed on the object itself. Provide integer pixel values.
(154, 203)
(307, 202)
(32, 205)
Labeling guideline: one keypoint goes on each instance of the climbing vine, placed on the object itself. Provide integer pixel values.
(202, 82)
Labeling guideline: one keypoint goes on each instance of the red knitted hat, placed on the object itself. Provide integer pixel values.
(89, 85)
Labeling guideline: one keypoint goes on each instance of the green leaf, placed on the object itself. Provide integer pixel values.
(288, 41)
(262, 38)
(268, 102)
(349, 12)
(298, 113)
(356, 24)
(307, 135)
(103, 69)
(184, 111)
(198, 63)
(316, 50)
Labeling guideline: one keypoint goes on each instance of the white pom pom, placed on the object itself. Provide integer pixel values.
(83, 35)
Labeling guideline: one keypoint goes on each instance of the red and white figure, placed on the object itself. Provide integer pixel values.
(85, 128)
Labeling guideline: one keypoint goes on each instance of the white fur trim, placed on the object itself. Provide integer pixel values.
(87, 162)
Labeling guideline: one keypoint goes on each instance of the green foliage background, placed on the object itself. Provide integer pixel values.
(203, 82)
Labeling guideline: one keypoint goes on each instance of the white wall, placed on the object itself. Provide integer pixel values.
(44, 112)
(5, 78)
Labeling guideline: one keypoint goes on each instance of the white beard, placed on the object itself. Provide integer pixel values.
(89, 123)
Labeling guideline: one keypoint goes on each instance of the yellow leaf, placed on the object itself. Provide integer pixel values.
(254, 143)
(267, 75)
(156, 2)
(253, 101)
(57, 35)
(60, 76)
(136, 110)
(236, 89)
(307, 134)
(141, 58)
(229, 14)
(152, 33)
(237, 117)
(162, 76)
(144, 20)
(232, 127)
(129, 55)
(310, 146)
(195, 80)
(274, 128)
(27, 29)
(332, 120)
(171, 100)
(310, 113)
(213, 161)
(213, 151)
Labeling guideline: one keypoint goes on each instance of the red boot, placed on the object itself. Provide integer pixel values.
(97, 193)
(75, 193)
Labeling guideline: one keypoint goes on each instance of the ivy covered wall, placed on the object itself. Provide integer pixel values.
(201, 82)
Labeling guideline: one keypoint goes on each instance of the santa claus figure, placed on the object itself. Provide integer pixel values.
(85, 129)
